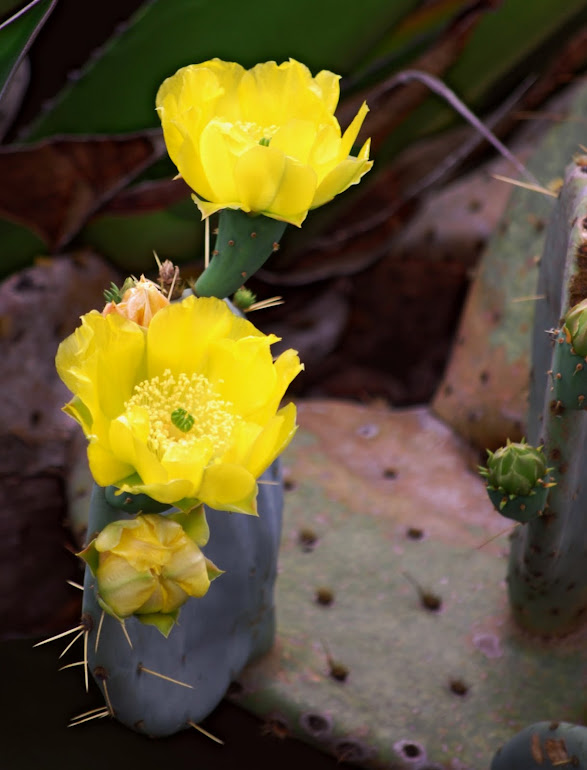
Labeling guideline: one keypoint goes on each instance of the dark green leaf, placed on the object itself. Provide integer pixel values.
(17, 35)
(117, 92)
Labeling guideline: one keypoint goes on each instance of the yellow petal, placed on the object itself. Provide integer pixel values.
(187, 568)
(352, 131)
(296, 139)
(258, 173)
(123, 588)
(345, 174)
(105, 467)
(179, 492)
(207, 208)
(189, 163)
(229, 487)
(196, 323)
(328, 83)
(79, 411)
(243, 437)
(295, 194)
(273, 439)
(218, 161)
(287, 367)
(166, 597)
(129, 434)
(242, 371)
(100, 360)
(188, 462)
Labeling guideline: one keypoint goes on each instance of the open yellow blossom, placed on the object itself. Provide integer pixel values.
(263, 140)
(186, 410)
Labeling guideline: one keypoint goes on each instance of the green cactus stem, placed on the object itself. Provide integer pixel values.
(243, 245)
(517, 480)
(546, 576)
(543, 746)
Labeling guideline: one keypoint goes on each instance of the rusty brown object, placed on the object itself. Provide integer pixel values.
(54, 186)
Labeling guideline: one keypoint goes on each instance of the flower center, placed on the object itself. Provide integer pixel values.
(258, 133)
(182, 410)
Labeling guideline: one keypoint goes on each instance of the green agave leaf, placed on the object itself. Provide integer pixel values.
(478, 75)
(17, 35)
(165, 35)
(414, 34)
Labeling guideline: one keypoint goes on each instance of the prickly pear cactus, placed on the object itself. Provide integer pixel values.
(158, 685)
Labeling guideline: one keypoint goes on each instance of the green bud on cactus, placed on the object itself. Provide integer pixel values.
(515, 469)
(576, 326)
(243, 298)
(517, 480)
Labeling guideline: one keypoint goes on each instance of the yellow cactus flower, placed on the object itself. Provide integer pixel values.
(186, 410)
(139, 303)
(263, 140)
(147, 566)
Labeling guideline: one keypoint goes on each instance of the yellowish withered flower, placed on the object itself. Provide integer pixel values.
(139, 303)
(263, 140)
(148, 566)
(186, 410)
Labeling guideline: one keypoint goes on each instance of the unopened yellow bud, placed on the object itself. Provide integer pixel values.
(147, 565)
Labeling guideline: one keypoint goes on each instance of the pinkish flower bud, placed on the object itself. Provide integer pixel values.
(139, 303)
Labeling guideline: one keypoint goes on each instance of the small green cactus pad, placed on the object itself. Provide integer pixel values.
(543, 746)
(520, 508)
(243, 245)
(569, 373)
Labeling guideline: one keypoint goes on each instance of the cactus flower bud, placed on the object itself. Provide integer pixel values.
(576, 326)
(517, 480)
(515, 469)
(147, 566)
(139, 303)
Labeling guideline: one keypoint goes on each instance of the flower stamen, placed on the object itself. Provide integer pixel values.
(204, 414)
